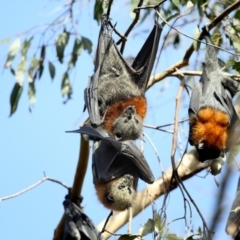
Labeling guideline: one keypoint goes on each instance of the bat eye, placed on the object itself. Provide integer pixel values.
(118, 136)
(136, 121)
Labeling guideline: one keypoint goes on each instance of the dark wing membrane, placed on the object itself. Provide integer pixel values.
(93, 133)
(77, 224)
(130, 149)
(112, 159)
(144, 61)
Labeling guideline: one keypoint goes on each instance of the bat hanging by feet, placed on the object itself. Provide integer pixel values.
(115, 94)
(212, 116)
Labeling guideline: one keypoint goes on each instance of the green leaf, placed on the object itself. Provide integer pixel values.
(61, 42)
(216, 37)
(66, 87)
(14, 97)
(77, 48)
(236, 44)
(13, 50)
(40, 71)
(196, 34)
(31, 93)
(237, 14)
(189, 5)
(20, 71)
(128, 237)
(51, 69)
(87, 44)
(147, 228)
(5, 40)
(176, 3)
(172, 237)
(25, 46)
(159, 224)
(43, 53)
(98, 11)
(33, 69)
(236, 66)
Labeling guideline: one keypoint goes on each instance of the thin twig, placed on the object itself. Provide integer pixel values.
(135, 20)
(184, 34)
(45, 178)
(149, 6)
(185, 60)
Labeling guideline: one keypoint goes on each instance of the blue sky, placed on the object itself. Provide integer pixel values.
(34, 143)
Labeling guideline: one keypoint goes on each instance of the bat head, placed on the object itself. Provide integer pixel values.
(128, 125)
(119, 193)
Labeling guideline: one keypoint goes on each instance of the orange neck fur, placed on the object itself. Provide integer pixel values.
(210, 127)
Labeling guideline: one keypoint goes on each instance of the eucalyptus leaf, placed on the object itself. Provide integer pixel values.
(128, 237)
(196, 34)
(25, 47)
(31, 92)
(176, 3)
(14, 97)
(98, 10)
(12, 52)
(87, 44)
(66, 87)
(21, 70)
(147, 228)
(51, 69)
(61, 42)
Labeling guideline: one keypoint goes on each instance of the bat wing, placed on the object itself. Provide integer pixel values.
(77, 224)
(143, 63)
(112, 158)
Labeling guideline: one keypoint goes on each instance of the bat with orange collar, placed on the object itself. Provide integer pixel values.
(115, 94)
(117, 167)
(213, 118)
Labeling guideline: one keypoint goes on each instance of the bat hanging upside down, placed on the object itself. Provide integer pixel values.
(115, 95)
(211, 112)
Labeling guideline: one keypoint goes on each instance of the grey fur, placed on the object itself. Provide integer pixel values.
(114, 80)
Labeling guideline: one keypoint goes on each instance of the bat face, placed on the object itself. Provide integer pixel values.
(117, 194)
(211, 112)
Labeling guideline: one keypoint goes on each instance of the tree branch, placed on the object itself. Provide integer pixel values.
(77, 183)
(45, 178)
(185, 60)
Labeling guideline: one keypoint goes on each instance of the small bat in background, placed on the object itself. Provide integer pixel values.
(116, 166)
(211, 111)
(77, 224)
(115, 94)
